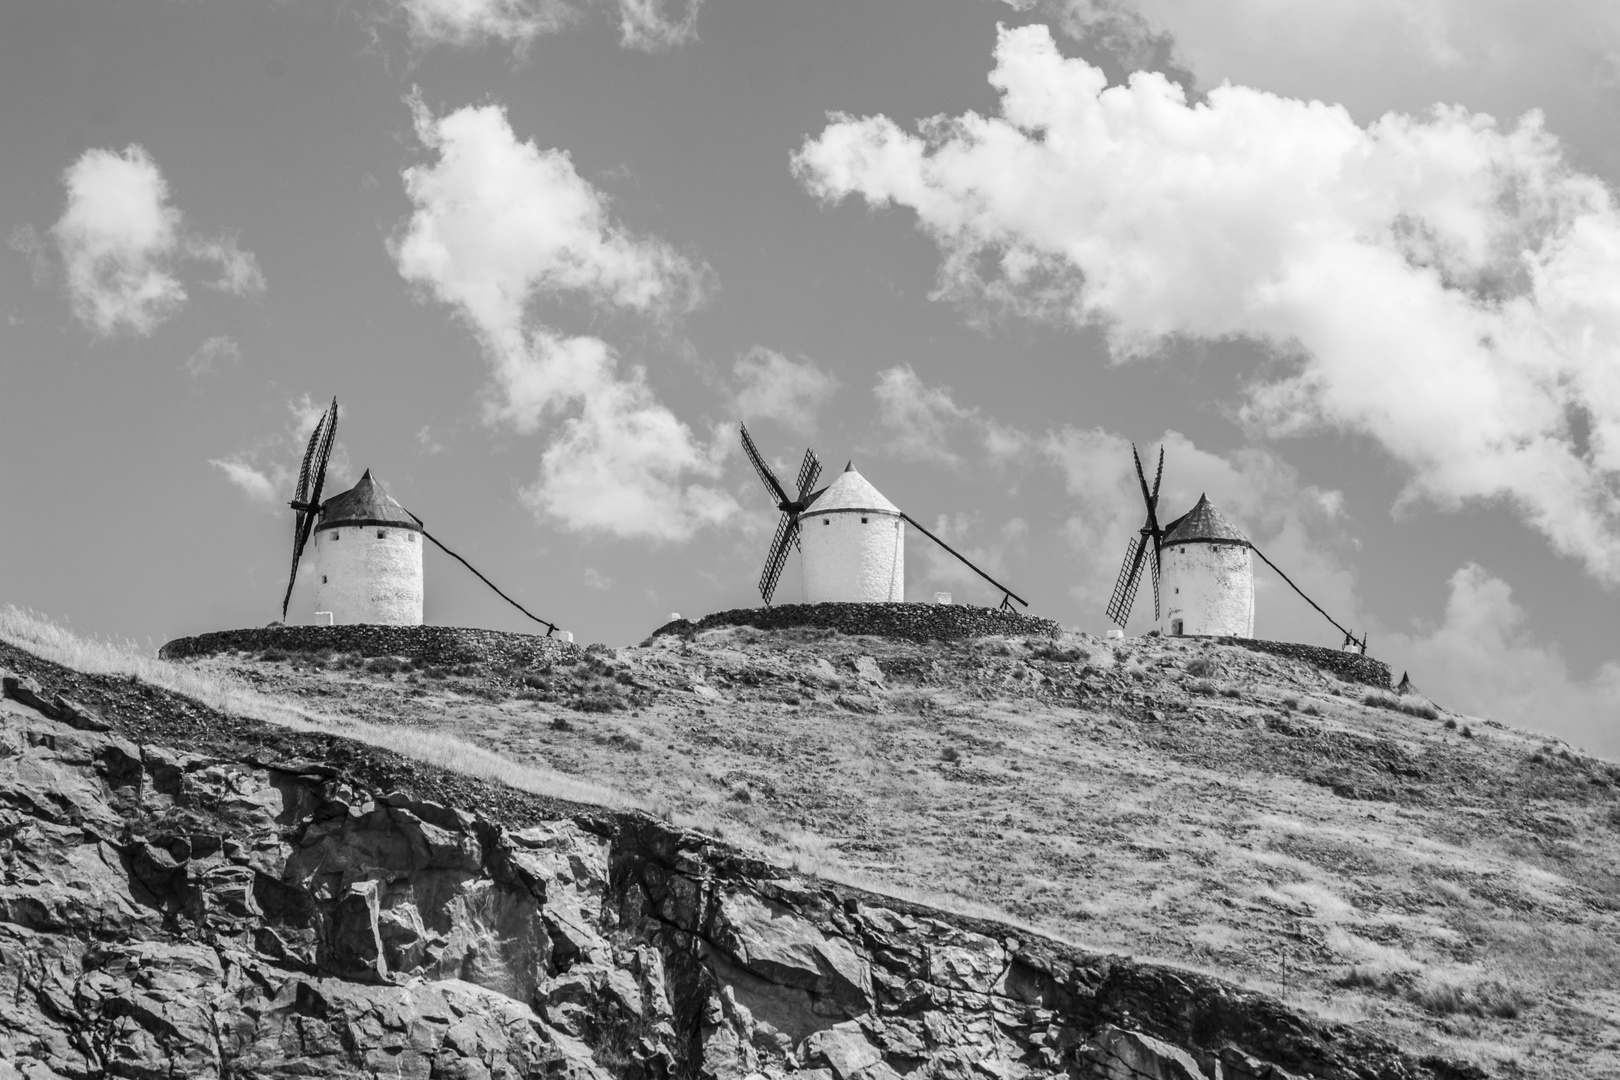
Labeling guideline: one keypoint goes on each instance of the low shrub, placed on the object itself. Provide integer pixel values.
(1231, 692)
(1446, 996)
(1063, 654)
(950, 754)
(1310, 709)
(275, 656)
(1201, 686)
(1290, 702)
(385, 665)
(1383, 699)
(1451, 725)
(1202, 666)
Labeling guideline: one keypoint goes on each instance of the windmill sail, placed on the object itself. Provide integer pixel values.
(1144, 548)
(787, 527)
(306, 500)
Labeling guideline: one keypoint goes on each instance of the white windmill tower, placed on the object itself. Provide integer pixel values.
(1206, 571)
(368, 558)
(851, 537)
(368, 548)
(853, 542)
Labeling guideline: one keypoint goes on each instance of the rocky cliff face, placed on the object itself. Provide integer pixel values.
(299, 906)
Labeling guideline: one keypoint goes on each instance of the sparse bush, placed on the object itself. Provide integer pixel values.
(1381, 982)
(950, 754)
(1051, 650)
(561, 723)
(1290, 702)
(999, 648)
(1537, 758)
(1310, 709)
(740, 793)
(1451, 725)
(598, 649)
(385, 665)
(1201, 686)
(1383, 699)
(1467, 732)
(1231, 692)
(275, 656)
(1202, 666)
(1444, 996)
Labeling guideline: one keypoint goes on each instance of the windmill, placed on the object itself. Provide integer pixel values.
(1207, 571)
(856, 551)
(787, 528)
(368, 556)
(1145, 546)
(306, 501)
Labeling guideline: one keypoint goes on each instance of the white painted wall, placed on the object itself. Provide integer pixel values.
(363, 578)
(1209, 587)
(857, 556)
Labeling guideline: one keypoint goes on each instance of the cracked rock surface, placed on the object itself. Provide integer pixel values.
(178, 911)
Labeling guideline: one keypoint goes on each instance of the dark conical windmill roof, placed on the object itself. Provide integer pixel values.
(365, 504)
(1204, 524)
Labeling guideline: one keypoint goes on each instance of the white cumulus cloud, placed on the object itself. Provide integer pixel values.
(1441, 284)
(122, 245)
(1481, 659)
(777, 388)
(499, 224)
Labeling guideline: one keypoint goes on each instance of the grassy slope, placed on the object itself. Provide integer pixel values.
(1362, 863)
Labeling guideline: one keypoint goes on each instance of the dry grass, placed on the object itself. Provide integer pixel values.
(98, 656)
(1410, 705)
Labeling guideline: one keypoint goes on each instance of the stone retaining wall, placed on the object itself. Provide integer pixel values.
(912, 622)
(1349, 666)
(439, 645)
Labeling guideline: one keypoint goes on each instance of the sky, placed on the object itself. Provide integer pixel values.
(1355, 268)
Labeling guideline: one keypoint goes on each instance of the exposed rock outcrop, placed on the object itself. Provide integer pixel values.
(168, 912)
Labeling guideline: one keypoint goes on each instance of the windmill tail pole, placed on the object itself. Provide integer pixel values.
(1348, 636)
(551, 627)
(1006, 591)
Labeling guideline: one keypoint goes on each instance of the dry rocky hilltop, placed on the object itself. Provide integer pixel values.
(1331, 887)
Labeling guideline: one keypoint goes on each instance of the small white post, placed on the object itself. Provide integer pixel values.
(565, 635)
(1115, 633)
(327, 615)
(942, 598)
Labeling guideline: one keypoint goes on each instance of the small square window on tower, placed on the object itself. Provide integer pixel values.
(334, 534)
(382, 534)
(863, 521)
(323, 579)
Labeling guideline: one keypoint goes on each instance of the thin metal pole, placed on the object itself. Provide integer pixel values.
(907, 517)
(550, 626)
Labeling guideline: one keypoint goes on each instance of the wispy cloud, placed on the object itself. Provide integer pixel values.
(772, 386)
(499, 223)
(1440, 284)
(122, 246)
(213, 355)
(648, 25)
(921, 421)
(267, 471)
